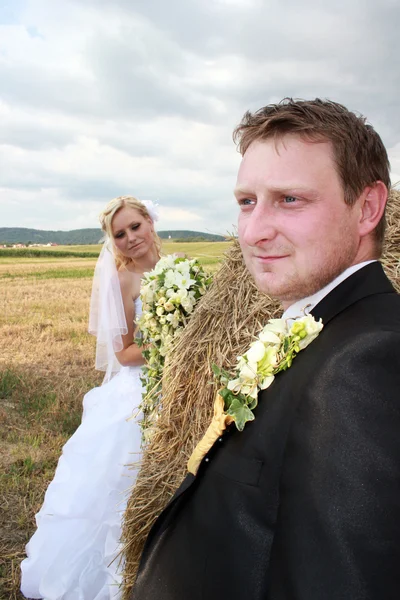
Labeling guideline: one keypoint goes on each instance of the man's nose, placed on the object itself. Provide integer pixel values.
(259, 226)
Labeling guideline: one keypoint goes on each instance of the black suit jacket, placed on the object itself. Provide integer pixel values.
(304, 504)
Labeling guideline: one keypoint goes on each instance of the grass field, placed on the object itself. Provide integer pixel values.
(46, 367)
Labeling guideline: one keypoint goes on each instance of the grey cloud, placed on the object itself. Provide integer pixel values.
(31, 136)
(80, 188)
(357, 43)
(88, 189)
(181, 196)
(131, 145)
(47, 88)
(140, 73)
(193, 25)
(267, 29)
(123, 85)
(75, 186)
(157, 60)
(135, 89)
(144, 72)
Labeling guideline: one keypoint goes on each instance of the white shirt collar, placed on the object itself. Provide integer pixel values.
(304, 306)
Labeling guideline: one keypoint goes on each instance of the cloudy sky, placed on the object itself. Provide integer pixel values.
(100, 98)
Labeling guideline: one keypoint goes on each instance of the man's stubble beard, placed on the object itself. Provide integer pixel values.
(295, 289)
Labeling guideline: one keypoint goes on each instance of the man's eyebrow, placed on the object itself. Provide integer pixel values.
(295, 190)
(240, 190)
(287, 189)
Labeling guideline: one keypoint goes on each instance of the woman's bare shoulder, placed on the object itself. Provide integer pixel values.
(129, 282)
(125, 277)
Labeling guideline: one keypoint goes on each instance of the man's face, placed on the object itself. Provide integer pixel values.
(295, 230)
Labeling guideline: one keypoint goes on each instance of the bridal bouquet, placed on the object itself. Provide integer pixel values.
(169, 294)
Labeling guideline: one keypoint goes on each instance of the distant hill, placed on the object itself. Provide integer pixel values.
(193, 236)
(22, 235)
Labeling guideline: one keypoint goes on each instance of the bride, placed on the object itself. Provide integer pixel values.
(72, 555)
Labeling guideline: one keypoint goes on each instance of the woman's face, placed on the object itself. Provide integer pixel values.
(133, 234)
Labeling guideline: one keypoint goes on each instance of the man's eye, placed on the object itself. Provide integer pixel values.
(246, 202)
(289, 199)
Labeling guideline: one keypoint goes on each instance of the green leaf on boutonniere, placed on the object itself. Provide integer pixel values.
(221, 374)
(253, 404)
(241, 413)
(230, 397)
(216, 370)
(286, 344)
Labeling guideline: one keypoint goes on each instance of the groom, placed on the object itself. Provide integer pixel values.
(304, 503)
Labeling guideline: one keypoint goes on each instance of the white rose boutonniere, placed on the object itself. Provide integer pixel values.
(274, 350)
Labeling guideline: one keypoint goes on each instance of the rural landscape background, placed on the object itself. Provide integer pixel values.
(100, 99)
(46, 367)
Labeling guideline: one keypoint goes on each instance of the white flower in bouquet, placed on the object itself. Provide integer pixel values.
(169, 294)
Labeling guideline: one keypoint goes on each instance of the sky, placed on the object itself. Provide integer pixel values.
(101, 98)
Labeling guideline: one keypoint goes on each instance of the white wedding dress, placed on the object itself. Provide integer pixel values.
(71, 555)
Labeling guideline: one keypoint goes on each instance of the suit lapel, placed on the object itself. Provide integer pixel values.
(368, 281)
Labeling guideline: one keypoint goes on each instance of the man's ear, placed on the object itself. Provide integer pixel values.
(373, 204)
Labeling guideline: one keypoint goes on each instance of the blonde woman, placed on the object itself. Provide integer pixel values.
(71, 555)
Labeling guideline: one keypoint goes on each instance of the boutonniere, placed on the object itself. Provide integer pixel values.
(273, 351)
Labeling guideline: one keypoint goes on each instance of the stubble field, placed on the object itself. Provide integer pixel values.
(46, 367)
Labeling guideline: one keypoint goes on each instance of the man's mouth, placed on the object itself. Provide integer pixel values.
(270, 258)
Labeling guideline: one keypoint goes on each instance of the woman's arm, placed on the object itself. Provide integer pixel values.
(131, 354)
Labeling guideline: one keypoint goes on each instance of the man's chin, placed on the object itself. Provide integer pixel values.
(266, 283)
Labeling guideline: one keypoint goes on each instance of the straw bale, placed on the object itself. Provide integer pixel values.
(391, 253)
(225, 321)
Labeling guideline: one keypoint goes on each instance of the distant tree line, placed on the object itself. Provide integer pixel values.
(195, 239)
(83, 237)
(38, 253)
